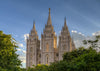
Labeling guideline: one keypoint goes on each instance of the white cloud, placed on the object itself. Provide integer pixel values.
(80, 33)
(19, 49)
(21, 45)
(96, 33)
(74, 31)
(26, 36)
(83, 35)
(93, 34)
(24, 51)
(24, 61)
(22, 58)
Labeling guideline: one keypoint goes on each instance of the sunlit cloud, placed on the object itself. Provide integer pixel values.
(20, 45)
(26, 36)
(22, 58)
(18, 49)
(93, 34)
(24, 51)
(96, 33)
(74, 31)
(80, 33)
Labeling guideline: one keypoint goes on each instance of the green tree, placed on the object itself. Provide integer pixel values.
(69, 56)
(87, 62)
(78, 60)
(23, 69)
(39, 67)
(8, 57)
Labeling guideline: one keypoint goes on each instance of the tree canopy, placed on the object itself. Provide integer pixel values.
(8, 58)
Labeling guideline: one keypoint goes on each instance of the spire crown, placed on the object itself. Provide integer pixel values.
(49, 11)
(33, 31)
(65, 22)
(65, 26)
(34, 25)
(49, 19)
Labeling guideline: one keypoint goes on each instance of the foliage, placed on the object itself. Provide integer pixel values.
(8, 58)
(69, 56)
(30, 69)
(58, 66)
(39, 67)
(23, 69)
(78, 60)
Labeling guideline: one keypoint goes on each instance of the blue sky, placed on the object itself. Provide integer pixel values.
(17, 16)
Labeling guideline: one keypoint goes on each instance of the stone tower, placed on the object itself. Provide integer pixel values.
(65, 42)
(33, 48)
(48, 43)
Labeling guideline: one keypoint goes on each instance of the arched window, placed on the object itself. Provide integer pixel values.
(47, 47)
(47, 59)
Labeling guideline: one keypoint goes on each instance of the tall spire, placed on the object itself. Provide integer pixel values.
(33, 31)
(34, 25)
(65, 28)
(49, 11)
(65, 25)
(65, 22)
(49, 19)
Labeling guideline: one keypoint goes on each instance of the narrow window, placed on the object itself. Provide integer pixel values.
(47, 47)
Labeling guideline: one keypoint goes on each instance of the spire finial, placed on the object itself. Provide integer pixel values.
(49, 18)
(49, 11)
(65, 22)
(34, 25)
(65, 18)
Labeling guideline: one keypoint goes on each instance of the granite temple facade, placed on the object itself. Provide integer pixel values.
(49, 51)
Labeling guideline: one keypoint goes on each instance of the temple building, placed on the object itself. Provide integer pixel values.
(49, 51)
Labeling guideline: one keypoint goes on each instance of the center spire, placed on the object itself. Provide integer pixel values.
(49, 11)
(49, 19)
(65, 22)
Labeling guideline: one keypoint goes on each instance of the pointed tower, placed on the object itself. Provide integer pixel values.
(33, 48)
(65, 44)
(48, 43)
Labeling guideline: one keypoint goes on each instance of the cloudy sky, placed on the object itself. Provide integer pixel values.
(17, 16)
